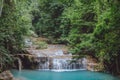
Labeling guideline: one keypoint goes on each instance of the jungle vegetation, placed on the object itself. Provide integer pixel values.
(89, 27)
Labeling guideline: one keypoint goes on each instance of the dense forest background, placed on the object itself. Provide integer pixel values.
(89, 27)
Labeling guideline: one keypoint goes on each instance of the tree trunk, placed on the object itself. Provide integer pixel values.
(1, 7)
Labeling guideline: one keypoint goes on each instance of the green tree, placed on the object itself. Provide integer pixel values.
(107, 33)
(81, 15)
(15, 23)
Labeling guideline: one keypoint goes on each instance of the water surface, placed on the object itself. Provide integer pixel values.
(64, 75)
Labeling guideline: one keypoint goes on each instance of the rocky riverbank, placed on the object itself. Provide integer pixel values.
(7, 75)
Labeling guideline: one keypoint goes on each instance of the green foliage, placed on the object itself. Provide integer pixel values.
(47, 20)
(42, 45)
(81, 16)
(106, 34)
(90, 27)
(15, 23)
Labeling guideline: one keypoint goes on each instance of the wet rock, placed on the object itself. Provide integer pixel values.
(93, 65)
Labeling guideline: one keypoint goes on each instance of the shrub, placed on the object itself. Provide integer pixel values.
(42, 45)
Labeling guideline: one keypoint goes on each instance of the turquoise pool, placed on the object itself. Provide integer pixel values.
(67, 75)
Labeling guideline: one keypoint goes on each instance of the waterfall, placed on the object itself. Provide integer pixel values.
(68, 65)
(62, 64)
(59, 63)
(19, 64)
(44, 63)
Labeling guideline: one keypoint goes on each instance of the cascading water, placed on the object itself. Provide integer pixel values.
(68, 64)
(44, 63)
(61, 63)
(19, 64)
(53, 58)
